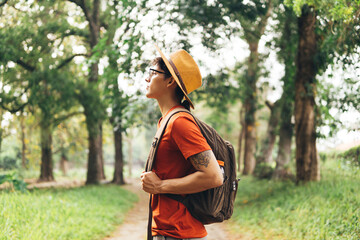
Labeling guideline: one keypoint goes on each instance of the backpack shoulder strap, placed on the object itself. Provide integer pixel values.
(151, 157)
(158, 135)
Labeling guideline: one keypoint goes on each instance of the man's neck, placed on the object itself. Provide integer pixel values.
(166, 106)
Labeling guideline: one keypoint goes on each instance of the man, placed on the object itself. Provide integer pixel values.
(184, 161)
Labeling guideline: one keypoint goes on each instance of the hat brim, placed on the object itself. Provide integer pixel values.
(171, 70)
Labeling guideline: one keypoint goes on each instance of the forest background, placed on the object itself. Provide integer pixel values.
(280, 82)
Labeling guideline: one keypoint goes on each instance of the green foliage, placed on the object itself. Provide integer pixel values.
(325, 102)
(122, 46)
(221, 18)
(333, 100)
(8, 162)
(348, 160)
(281, 210)
(218, 90)
(37, 48)
(335, 10)
(202, 13)
(70, 140)
(352, 155)
(335, 28)
(263, 170)
(81, 213)
(15, 182)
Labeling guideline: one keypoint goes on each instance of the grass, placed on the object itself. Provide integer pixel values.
(73, 173)
(329, 209)
(89, 212)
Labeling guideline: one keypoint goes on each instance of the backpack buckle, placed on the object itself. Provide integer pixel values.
(154, 142)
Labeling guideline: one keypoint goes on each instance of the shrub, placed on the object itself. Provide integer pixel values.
(14, 181)
(8, 163)
(352, 155)
(263, 171)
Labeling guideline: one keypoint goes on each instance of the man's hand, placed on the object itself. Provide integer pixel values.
(150, 182)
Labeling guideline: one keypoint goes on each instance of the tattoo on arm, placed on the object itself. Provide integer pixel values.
(201, 159)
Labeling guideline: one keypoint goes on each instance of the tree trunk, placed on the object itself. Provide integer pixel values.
(271, 133)
(95, 168)
(46, 173)
(250, 109)
(102, 162)
(64, 164)
(119, 160)
(253, 33)
(130, 151)
(288, 46)
(286, 127)
(94, 125)
(284, 152)
(1, 136)
(241, 137)
(1, 131)
(307, 166)
(23, 148)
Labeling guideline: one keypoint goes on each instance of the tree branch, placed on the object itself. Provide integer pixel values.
(3, 3)
(66, 61)
(269, 105)
(125, 31)
(58, 120)
(263, 21)
(13, 110)
(254, 32)
(75, 32)
(81, 4)
(96, 9)
(25, 65)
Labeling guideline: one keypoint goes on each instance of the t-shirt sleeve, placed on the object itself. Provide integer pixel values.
(187, 136)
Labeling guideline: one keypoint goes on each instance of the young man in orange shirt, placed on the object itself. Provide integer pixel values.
(184, 162)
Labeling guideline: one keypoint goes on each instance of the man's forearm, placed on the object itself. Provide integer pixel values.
(207, 175)
(192, 183)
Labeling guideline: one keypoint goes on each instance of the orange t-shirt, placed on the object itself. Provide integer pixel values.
(182, 139)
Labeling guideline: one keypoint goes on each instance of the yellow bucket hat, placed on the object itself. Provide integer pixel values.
(184, 70)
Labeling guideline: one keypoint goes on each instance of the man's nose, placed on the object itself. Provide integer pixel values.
(147, 79)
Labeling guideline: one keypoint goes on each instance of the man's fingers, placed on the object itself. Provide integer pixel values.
(144, 173)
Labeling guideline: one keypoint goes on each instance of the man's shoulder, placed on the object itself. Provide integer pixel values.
(182, 118)
(182, 121)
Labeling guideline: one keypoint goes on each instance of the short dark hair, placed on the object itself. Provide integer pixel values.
(180, 95)
(160, 62)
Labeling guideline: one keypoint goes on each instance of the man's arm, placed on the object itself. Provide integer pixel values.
(208, 175)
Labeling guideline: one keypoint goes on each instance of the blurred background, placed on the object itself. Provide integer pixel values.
(72, 81)
(281, 81)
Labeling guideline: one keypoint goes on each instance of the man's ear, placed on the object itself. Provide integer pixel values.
(171, 82)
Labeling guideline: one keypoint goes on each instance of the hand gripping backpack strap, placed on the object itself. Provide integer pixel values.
(152, 154)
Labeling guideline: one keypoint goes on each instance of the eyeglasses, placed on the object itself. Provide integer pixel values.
(152, 72)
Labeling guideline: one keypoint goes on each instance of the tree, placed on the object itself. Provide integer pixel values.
(307, 165)
(38, 78)
(271, 133)
(253, 33)
(322, 30)
(287, 45)
(89, 96)
(121, 45)
(215, 19)
(2, 135)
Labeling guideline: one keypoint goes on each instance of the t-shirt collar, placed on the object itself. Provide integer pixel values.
(176, 106)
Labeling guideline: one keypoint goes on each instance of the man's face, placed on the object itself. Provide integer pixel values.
(155, 82)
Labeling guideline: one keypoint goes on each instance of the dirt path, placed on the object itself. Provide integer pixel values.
(135, 224)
